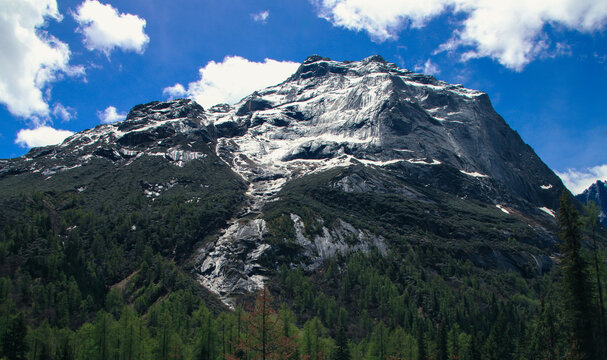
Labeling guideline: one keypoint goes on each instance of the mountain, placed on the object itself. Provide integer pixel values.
(597, 192)
(340, 158)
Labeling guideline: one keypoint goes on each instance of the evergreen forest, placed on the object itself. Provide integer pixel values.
(99, 289)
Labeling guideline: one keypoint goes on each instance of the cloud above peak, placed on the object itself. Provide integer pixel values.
(30, 58)
(41, 136)
(105, 29)
(110, 115)
(232, 79)
(579, 180)
(381, 19)
(428, 68)
(510, 32)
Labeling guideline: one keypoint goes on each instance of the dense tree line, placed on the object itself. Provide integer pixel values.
(131, 301)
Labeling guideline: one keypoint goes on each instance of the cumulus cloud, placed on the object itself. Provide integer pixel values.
(232, 79)
(104, 28)
(175, 91)
(381, 19)
(41, 136)
(510, 32)
(30, 58)
(261, 17)
(579, 180)
(110, 115)
(429, 68)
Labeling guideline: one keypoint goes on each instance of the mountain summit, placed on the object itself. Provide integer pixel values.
(597, 192)
(340, 157)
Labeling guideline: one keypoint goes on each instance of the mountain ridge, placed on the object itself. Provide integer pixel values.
(346, 130)
(226, 122)
(597, 193)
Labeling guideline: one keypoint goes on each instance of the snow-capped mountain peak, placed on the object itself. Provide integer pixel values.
(596, 193)
(328, 115)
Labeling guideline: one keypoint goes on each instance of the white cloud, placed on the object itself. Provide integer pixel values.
(579, 180)
(175, 91)
(30, 58)
(105, 29)
(429, 68)
(261, 17)
(381, 19)
(64, 113)
(110, 115)
(510, 32)
(41, 136)
(232, 79)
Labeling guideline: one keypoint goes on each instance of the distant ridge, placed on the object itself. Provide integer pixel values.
(597, 192)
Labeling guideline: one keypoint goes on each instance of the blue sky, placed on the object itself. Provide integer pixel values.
(68, 65)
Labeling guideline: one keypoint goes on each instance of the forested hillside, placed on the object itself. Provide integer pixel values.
(419, 304)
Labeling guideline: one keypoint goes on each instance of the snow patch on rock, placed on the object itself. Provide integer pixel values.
(154, 190)
(548, 211)
(180, 157)
(424, 162)
(502, 208)
(474, 174)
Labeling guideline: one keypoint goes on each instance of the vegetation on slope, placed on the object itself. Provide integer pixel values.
(83, 278)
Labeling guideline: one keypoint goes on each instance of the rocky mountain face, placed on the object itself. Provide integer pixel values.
(341, 157)
(597, 192)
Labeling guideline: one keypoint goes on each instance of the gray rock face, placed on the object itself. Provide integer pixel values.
(327, 115)
(156, 110)
(340, 239)
(230, 266)
(597, 193)
(496, 259)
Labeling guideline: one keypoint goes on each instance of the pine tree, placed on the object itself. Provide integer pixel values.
(102, 334)
(342, 351)
(380, 334)
(164, 337)
(421, 343)
(14, 344)
(206, 334)
(265, 339)
(66, 350)
(441, 342)
(577, 290)
(592, 225)
(474, 352)
(544, 343)
(313, 347)
(454, 336)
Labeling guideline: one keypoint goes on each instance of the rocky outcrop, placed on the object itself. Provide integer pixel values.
(234, 264)
(230, 266)
(340, 239)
